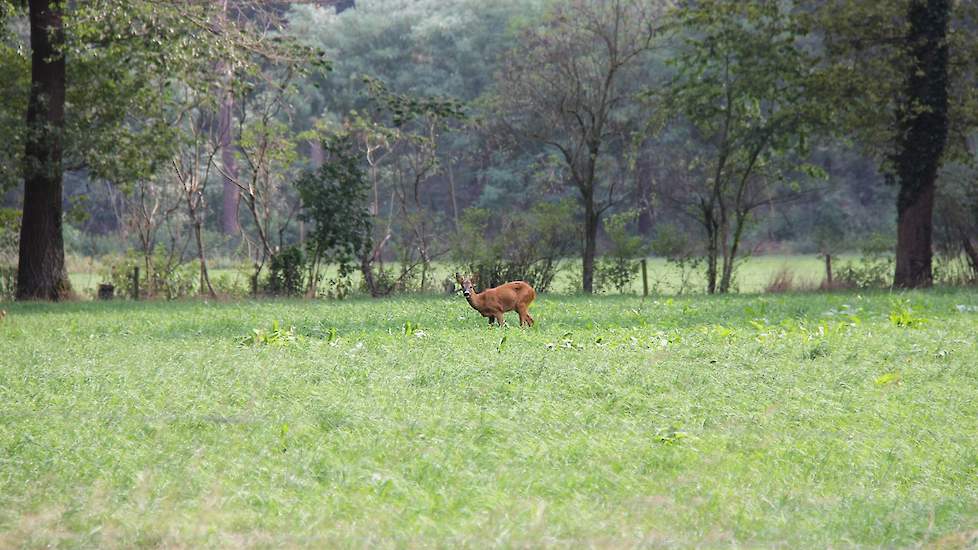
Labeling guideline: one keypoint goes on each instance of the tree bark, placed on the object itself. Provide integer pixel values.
(451, 191)
(712, 245)
(643, 188)
(230, 194)
(731, 256)
(41, 273)
(924, 131)
(590, 243)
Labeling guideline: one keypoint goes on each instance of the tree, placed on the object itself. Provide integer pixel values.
(922, 140)
(230, 194)
(899, 76)
(745, 87)
(41, 272)
(566, 85)
(334, 200)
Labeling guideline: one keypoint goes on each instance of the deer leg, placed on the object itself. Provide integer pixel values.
(500, 320)
(524, 316)
(491, 319)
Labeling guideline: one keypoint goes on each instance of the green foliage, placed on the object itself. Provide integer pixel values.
(15, 66)
(406, 108)
(277, 336)
(285, 272)
(168, 280)
(902, 315)
(745, 80)
(620, 265)
(529, 245)
(671, 243)
(334, 200)
(874, 269)
(9, 241)
(866, 61)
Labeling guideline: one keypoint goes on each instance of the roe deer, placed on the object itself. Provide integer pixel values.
(494, 302)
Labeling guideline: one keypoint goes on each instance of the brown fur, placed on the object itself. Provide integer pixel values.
(494, 302)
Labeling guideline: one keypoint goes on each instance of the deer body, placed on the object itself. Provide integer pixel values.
(494, 302)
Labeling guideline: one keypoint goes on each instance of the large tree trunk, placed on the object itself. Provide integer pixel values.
(922, 142)
(41, 271)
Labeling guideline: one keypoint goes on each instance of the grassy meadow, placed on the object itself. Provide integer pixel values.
(797, 420)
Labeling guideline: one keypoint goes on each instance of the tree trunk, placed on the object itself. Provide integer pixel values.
(922, 142)
(712, 247)
(41, 270)
(643, 187)
(316, 154)
(828, 269)
(590, 243)
(451, 190)
(730, 256)
(230, 194)
(205, 280)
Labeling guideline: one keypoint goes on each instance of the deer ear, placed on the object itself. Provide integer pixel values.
(458, 278)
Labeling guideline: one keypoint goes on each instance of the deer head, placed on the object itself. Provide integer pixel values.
(467, 283)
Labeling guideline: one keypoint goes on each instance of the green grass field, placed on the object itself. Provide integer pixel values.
(812, 420)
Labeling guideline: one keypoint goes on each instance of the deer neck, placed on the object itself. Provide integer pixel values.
(475, 299)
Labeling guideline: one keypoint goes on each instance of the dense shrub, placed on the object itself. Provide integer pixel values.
(334, 200)
(285, 273)
(517, 245)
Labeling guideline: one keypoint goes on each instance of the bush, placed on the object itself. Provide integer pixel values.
(874, 268)
(334, 200)
(285, 273)
(231, 285)
(520, 245)
(169, 280)
(671, 243)
(620, 265)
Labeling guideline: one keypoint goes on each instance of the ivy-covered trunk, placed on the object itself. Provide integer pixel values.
(922, 142)
(41, 271)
